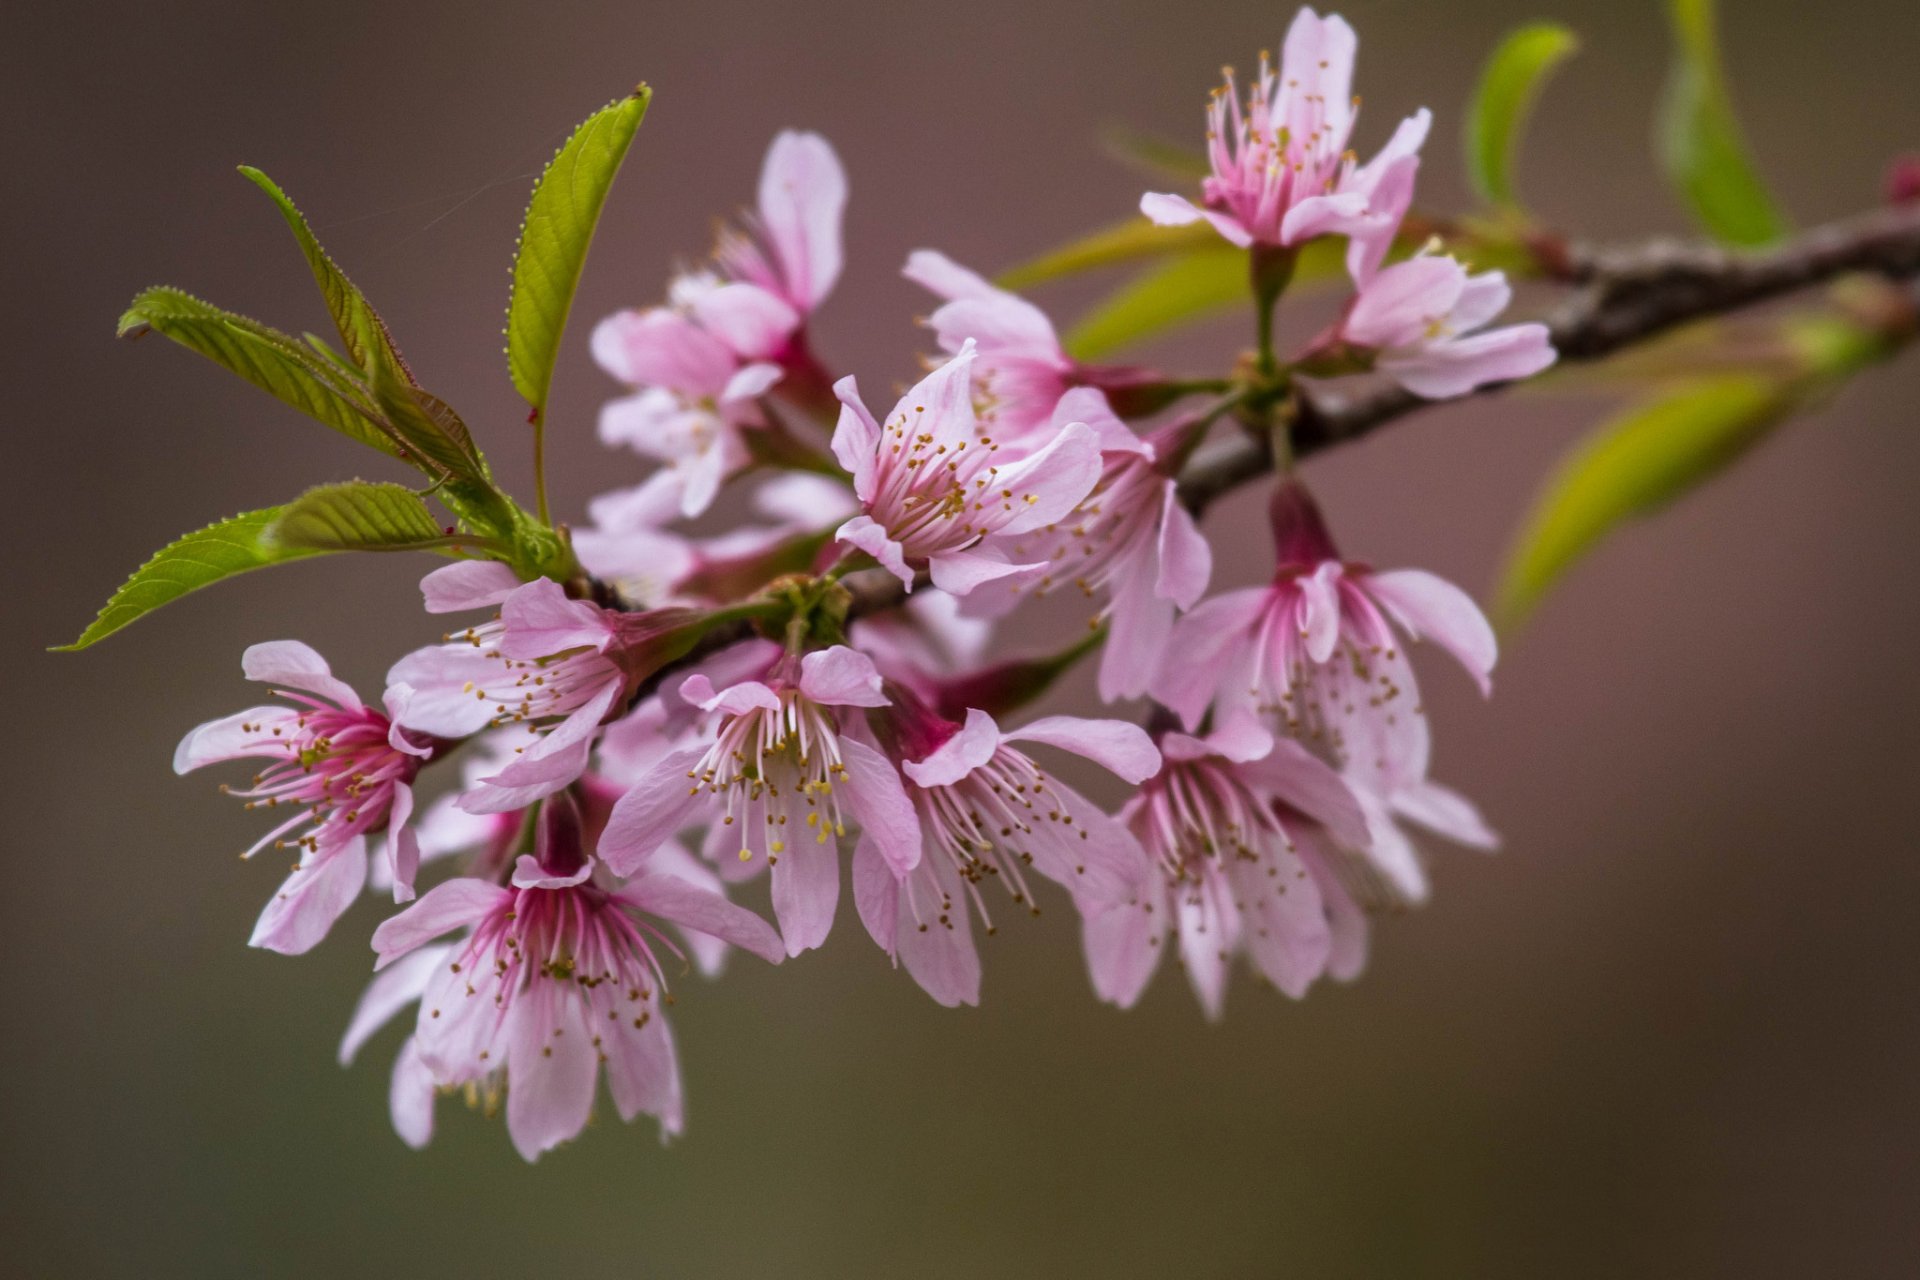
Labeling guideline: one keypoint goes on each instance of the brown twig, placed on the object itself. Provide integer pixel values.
(1628, 295)
(1625, 296)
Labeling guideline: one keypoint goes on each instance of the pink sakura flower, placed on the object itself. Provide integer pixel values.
(1240, 827)
(556, 974)
(701, 364)
(1282, 173)
(1129, 539)
(1420, 317)
(779, 779)
(988, 812)
(933, 487)
(696, 399)
(1021, 371)
(342, 769)
(1316, 651)
(546, 658)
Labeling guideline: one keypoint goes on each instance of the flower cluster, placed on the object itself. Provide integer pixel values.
(809, 696)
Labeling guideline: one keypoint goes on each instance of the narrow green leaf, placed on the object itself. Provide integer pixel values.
(1199, 283)
(1184, 289)
(362, 331)
(553, 243)
(1129, 241)
(277, 363)
(427, 426)
(1700, 141)
(1634, 465)
(358, 516)
(1497, 116)
(218, 551)
(1156, 157)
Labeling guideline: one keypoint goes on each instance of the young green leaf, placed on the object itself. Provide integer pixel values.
(359, 516)
(277, 363)
(553, 243)
(1700, 141)
(1128, 241)
(1497, 116)
(362, 330)
(1195, 284)
(218, 551)
(1634, 465)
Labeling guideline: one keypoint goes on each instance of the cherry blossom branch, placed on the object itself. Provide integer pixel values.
(1628, 295)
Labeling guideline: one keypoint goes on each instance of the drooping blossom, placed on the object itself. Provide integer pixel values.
(1421, 319)
(489, 842)
(1242, 829)
(545, 659)
(557, 974)
(778, 780)
(340, 769)
(1129, 540)
(989, 813)
(932, 485)
(1281, 170)
(1318, 652)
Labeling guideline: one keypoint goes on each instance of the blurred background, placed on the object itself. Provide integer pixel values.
(1670, 1030)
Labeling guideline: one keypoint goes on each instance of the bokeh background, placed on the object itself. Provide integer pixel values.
(1670, 1030)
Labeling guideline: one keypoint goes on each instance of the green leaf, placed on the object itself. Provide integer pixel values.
(1497, 117)
(1129, 241)
(277, 363)
(553, 242)
(1156, 157)
(358, 516)
(362, 330)
(1652, 454)
(1184, 289)
(218, 551)
(1700, 141)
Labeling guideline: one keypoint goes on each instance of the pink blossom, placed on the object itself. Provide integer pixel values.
(342, 769)
(932, 485)
(988, 812)
(1239, 826)
(696, 398)
(555, 975)
(1129, 539)
(1420, 318)
(1020, 369)
(1316, 651)
(552, 666)
(779, 779)
(1282, 173)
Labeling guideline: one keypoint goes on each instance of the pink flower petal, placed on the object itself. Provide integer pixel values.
(552, 1064)
(653, 811)
(410, 1097)
(841, 677)
(806, 890)
(449, 905)
(879, 803)
(704, 910)
(750, 320)
(470, 584)
(391, 990)
(235, 737)
(972, 746)
(312, 898)
(803, 195)
(288, 664)
(1430, 607)
(1120, 747)
(876, 894)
